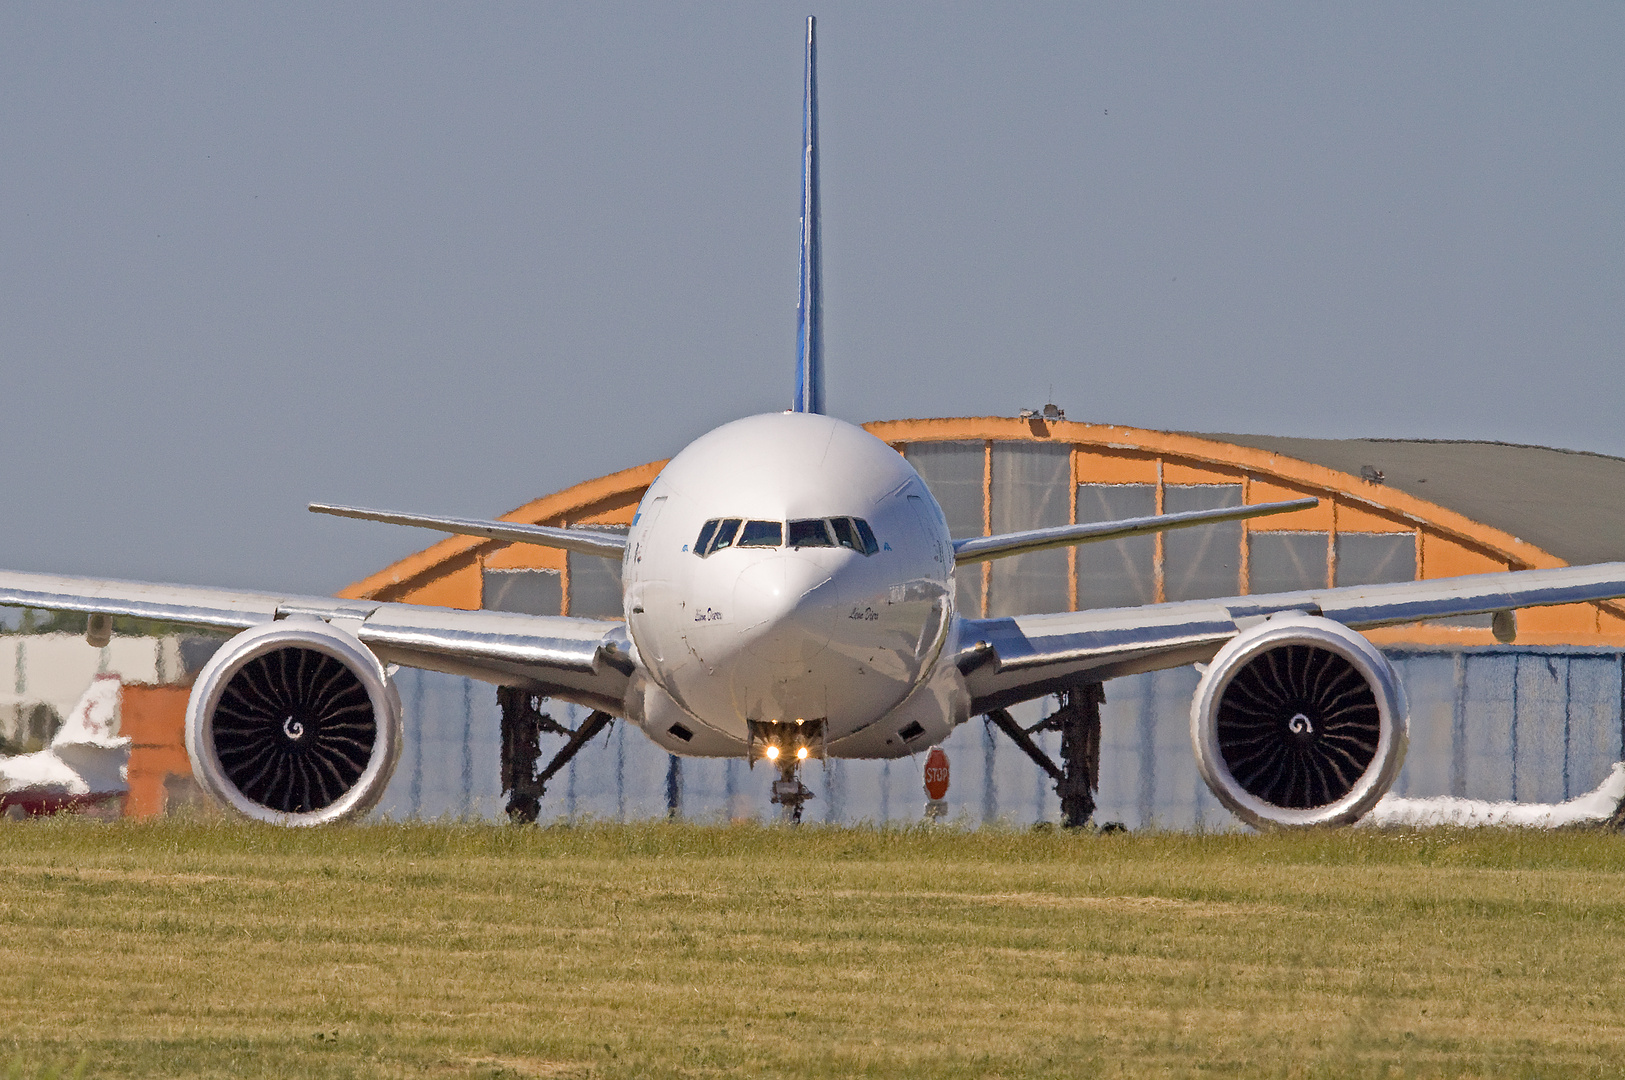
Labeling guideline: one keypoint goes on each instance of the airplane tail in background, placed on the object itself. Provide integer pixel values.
(810, 306)
(94, 720)
(85, 764)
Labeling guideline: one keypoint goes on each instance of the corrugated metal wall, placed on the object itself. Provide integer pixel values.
(1532, 724)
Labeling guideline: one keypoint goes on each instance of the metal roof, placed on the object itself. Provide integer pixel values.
(1569, 502)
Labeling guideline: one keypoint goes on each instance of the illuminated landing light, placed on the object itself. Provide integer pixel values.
(772, 753)
(801, 753)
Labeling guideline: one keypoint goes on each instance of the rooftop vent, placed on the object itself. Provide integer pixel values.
(1051, 411)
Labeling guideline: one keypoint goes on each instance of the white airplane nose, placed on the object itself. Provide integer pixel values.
(785, 610)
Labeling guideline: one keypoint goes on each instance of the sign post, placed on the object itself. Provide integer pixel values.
(936, 784)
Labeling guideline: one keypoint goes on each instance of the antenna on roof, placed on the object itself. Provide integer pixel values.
(810, 305)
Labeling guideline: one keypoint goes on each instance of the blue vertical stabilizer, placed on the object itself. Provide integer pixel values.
(810, 306)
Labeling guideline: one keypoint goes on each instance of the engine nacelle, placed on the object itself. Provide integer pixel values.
(294, 722)
(1299, 721)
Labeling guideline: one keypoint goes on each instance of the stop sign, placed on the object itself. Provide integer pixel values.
(936, 774)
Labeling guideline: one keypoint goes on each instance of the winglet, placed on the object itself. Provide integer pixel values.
(810, 305)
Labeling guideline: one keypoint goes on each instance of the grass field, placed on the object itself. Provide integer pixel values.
(213, 949)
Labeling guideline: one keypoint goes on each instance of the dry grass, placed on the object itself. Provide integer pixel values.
(208, 949)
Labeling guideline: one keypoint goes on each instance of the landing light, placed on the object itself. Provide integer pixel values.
(801, 753)
(772, 753)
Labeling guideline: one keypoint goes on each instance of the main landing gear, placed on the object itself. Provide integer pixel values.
(1077, 777)
(787, 745)
(523, 724)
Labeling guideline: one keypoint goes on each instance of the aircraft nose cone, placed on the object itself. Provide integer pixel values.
(785, 610)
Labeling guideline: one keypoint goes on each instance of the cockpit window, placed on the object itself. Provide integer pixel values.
(852, 533)
(809, 533)
(868, 536)
(761, 534)
(725, 535)
(707, 531)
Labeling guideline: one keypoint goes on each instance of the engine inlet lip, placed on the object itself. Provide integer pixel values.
(300, 632)
(1318, 632)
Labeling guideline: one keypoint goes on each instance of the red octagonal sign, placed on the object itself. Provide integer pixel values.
(936, 774)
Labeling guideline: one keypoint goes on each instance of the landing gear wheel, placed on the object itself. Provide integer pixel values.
(788, 790)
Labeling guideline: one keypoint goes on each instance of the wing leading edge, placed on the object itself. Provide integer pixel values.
(581, 541)
(981, 548)
(583, 660)
(1018, 658)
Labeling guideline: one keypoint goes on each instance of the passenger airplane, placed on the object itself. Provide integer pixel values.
(789, 595)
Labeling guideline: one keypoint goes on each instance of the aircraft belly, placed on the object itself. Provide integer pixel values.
(679, 730)
(850, 686)
(939, 705)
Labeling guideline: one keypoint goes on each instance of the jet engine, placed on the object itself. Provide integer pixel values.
(294, 722)
(1299, 721)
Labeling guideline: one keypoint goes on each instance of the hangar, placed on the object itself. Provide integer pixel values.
(1524, 708)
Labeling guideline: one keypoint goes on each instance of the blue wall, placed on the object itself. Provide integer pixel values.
(1532, 724)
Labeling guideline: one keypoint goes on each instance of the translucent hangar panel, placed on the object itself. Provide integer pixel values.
(1117, 573)
(955, 471)
(1375, 558)
(1031, 489)
(530, 592)
(1287, 561)
(595, 587)
(1205, 561)
(1027, 485)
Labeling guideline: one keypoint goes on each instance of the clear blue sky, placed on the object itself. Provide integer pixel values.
(447, 258)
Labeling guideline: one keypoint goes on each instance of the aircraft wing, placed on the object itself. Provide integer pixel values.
(1018, 658)
(583, 541)
(584, 660)
(982, 548)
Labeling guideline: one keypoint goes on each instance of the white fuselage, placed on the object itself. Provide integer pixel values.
(828, 600)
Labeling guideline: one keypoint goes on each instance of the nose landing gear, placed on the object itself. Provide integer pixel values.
(785, 745)
(788, 790)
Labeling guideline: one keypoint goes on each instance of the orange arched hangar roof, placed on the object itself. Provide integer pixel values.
(449, 573)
